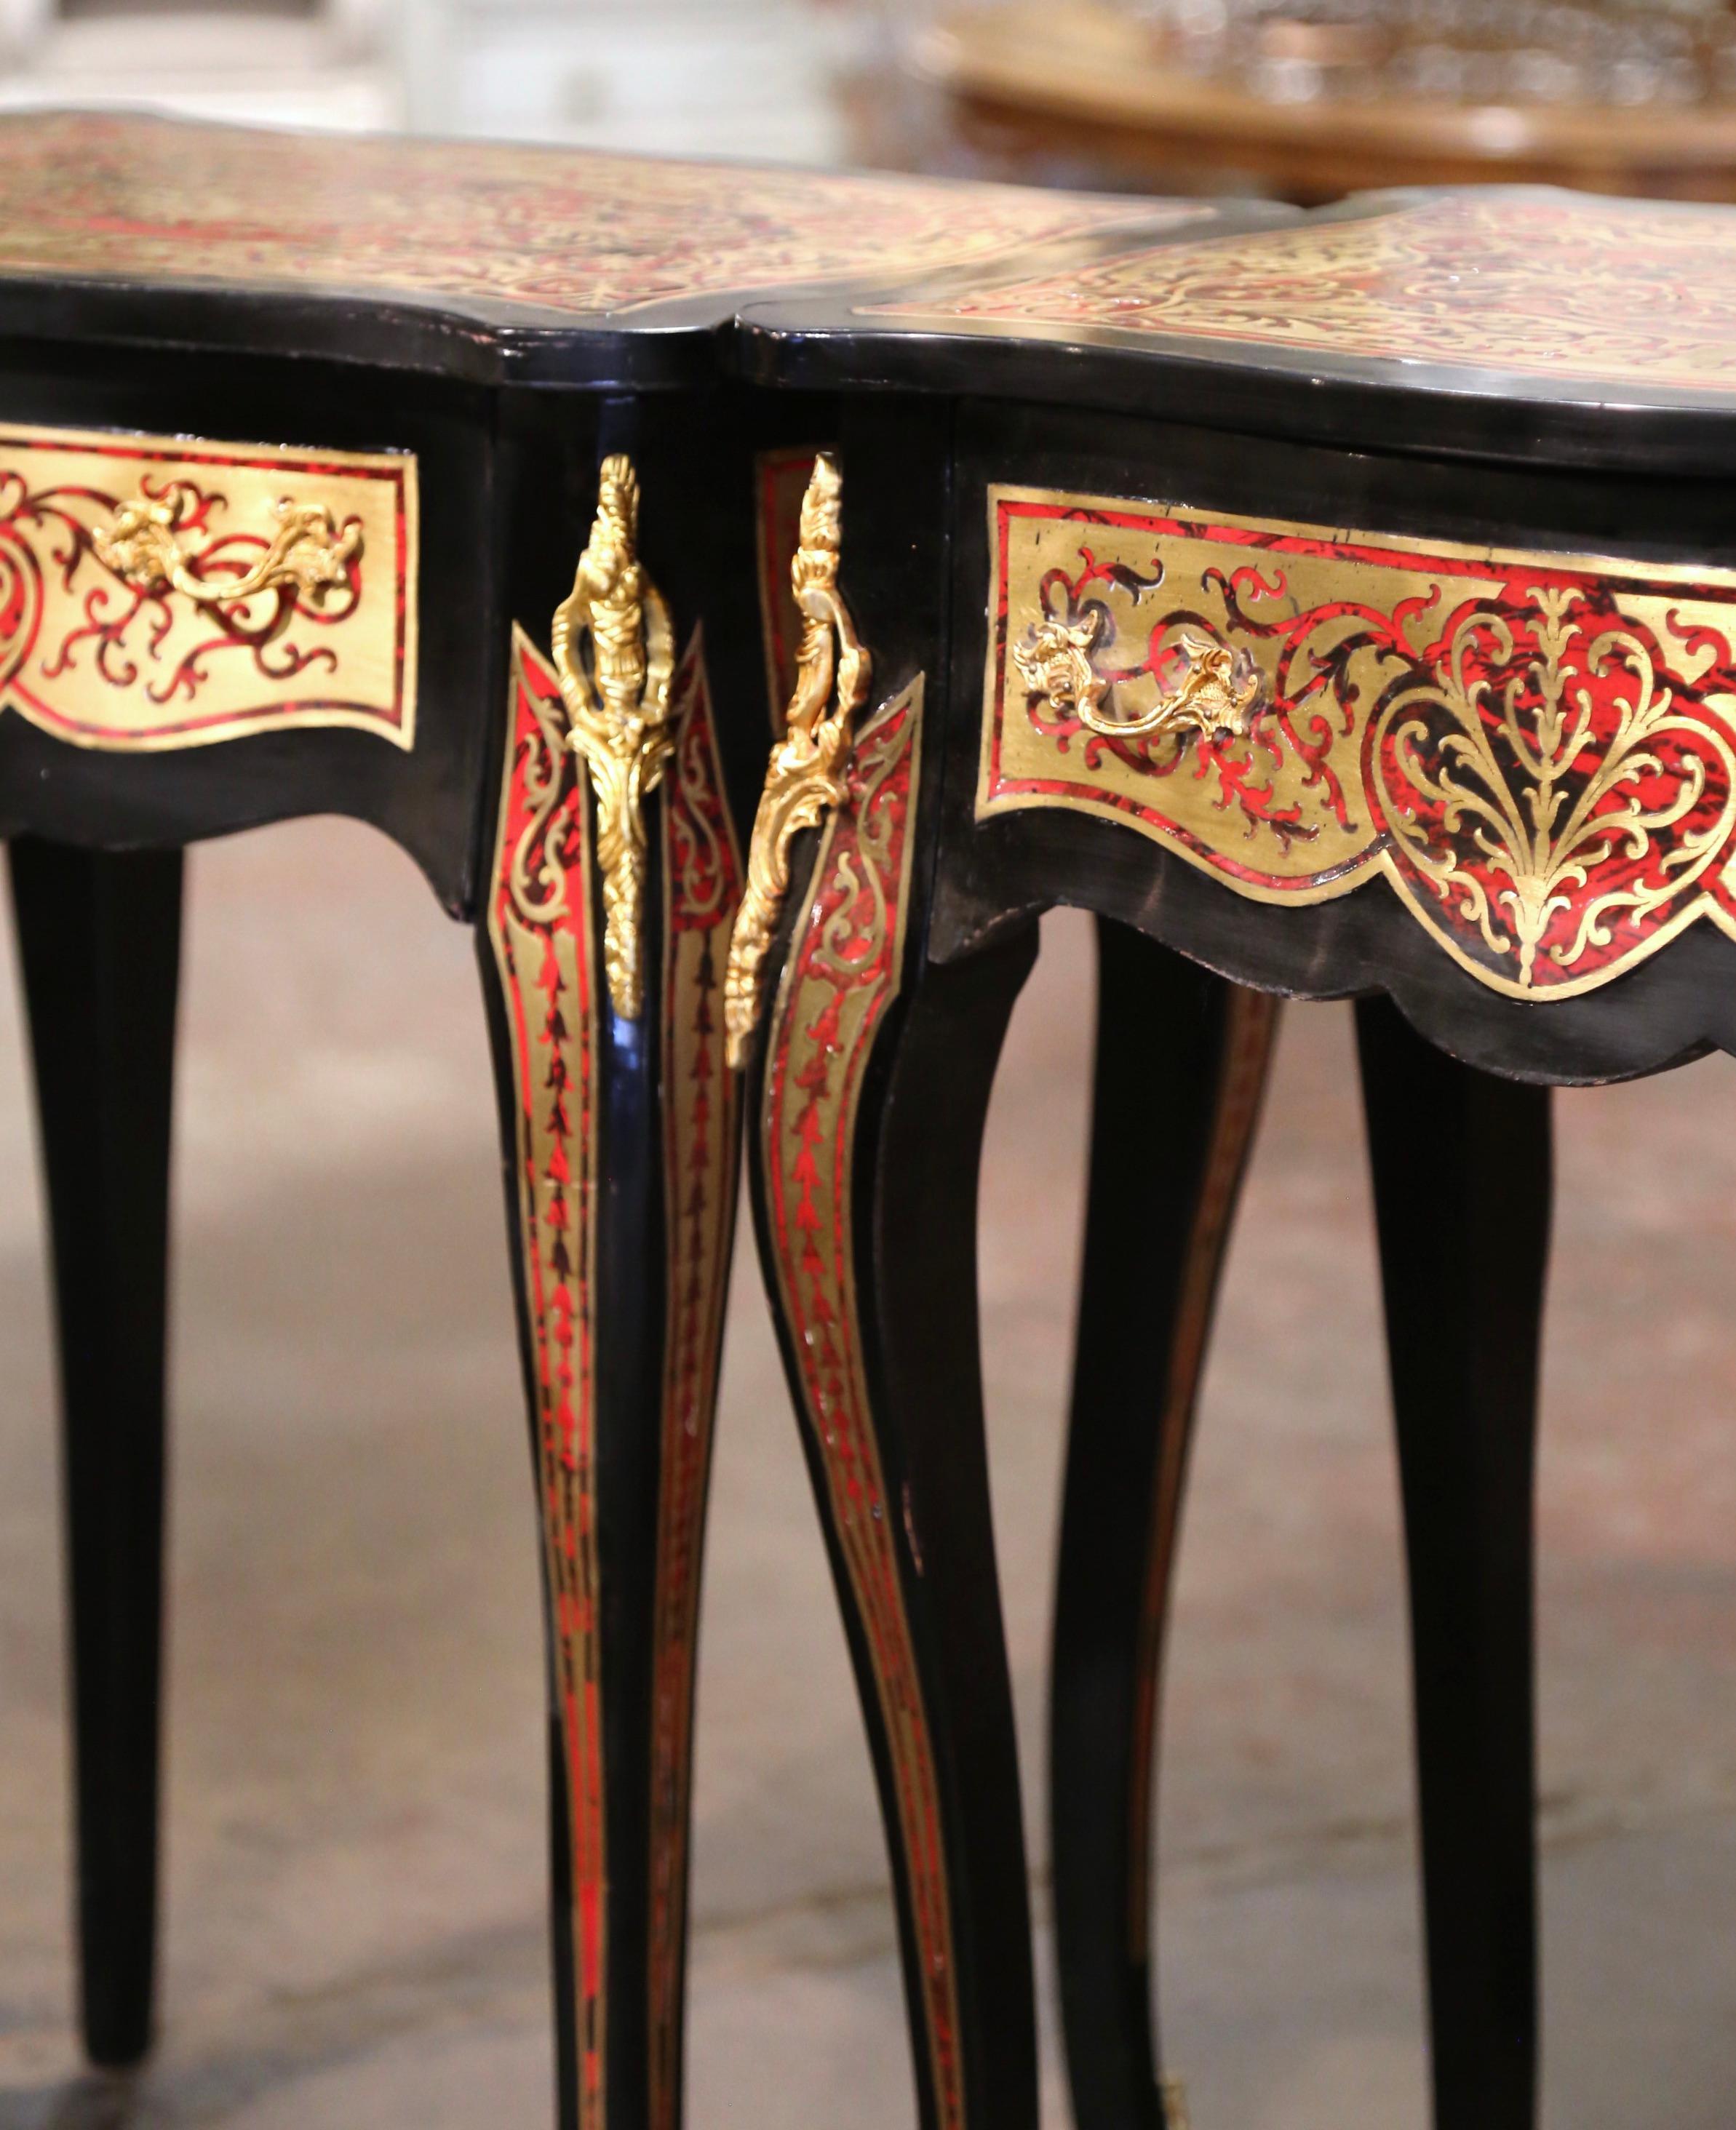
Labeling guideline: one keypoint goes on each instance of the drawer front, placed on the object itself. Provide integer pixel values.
(1538, 751)
(157, 593)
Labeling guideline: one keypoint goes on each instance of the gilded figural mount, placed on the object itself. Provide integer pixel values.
(618, 711)
(804, 779)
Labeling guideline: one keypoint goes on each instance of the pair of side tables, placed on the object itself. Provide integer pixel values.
(1337, 605)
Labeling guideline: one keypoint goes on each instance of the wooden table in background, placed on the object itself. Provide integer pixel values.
(1080, 93)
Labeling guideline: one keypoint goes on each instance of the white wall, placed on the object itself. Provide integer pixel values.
(711, 77)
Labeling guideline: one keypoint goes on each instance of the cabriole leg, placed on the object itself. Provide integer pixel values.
(99, 942)
(1177, 1044)
(1462, 1178)
(867, 1133)
(620, 1135)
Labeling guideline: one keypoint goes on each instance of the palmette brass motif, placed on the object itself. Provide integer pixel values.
(618, 711)
(1537, 750)
(804, 779)
(307, 551)
(1508, 778)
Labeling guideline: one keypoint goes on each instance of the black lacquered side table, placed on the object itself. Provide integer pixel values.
(300, 442)
(1341, 607)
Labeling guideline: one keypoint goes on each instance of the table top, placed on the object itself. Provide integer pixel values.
(1523, 323)
(475, 257)
(1542, 323)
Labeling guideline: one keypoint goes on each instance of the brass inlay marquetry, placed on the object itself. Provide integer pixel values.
(161, 592)
(549, 232)
(1537, 750)
(702, 877)
(539, 928)
(843, 972)
(1528, 282)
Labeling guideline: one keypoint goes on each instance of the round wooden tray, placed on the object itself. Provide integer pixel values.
(1083, 86)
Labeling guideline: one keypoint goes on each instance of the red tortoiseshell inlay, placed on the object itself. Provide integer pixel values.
(550, 230)
(702, 876)
(1538, 751)
(539, 925)
(1537, 282)
(844, 970)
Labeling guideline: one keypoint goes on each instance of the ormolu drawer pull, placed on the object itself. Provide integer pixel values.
(141, 544)
(1220, 689)
(805, 776)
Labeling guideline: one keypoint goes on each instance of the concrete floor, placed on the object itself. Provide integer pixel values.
(356, 1934)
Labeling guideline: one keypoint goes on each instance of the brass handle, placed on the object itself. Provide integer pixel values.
(1221, 690)
(140, 544)
(805, 775)
(618, 711)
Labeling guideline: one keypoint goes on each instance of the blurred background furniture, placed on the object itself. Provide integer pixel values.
(1299, 99)
(1309, 99)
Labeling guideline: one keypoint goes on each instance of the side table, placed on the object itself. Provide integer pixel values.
(1349, 605)
(300, 440)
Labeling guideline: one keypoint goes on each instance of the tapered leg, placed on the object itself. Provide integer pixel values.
(99, 942)
(1181, 1065)
(866, 1134)
(1462, 1175)
(620, 1132)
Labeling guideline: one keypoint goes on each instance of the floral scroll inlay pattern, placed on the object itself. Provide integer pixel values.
(1550, 784)
(702, 883)
(1537, 751)
(307, 553)
(1533, 283)
(845, 969)
(564, 232)
(540, 928)
(540, 916)
(159, 593)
